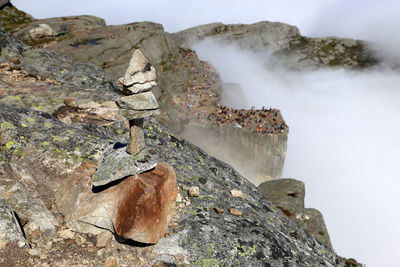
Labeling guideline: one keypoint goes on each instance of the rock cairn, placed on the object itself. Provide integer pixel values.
(131, 190)
(140, 102)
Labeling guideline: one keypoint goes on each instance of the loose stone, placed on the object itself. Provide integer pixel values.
(218, 210)
(237, 194)
(236, 212)
(194, 191)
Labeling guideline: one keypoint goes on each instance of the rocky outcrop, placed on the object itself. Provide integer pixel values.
(288, 196)
(47, 152)
(259, 37)
(285, 42)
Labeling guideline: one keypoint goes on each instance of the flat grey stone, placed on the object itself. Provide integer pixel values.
(138, 88)
(117, 164)
(142, 101)
(10, 230)
(136, 114)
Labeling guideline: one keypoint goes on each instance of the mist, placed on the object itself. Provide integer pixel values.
(343, 142)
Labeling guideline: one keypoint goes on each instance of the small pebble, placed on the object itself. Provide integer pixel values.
(179, 198)
(237, 194)
(103, 239)
(79, 240)
(21, 243)
(110, 262)
(66, 234)
(34, 252)
(236, 212)
(194, 191)
(218, 210)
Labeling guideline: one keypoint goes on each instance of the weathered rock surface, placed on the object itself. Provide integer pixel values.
(138, 208)
(118, 164)
(10, 230)
(288, 196)
(146, 205)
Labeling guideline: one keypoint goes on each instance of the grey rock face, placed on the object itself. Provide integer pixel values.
(288, 195)
(117, 164)
(10, 230)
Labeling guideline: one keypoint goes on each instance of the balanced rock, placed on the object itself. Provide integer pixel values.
(137, 208)
(140, 71)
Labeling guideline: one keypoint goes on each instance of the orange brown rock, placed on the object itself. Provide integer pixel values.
(236, 212)
(146, 205)
(218, 210)
(137, 208)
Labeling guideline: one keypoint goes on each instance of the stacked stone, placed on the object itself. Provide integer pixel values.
(140, 102)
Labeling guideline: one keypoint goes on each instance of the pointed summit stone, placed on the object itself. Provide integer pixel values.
(140, 71)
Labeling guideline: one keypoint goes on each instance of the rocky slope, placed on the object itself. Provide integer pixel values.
(39, 153)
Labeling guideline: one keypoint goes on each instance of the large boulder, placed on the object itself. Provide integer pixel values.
(138, 208)
(288, 196)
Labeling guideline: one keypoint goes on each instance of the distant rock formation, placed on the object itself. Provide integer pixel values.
(288, 196)
(285, 42)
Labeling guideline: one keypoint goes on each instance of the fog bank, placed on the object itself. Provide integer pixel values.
(343, 143)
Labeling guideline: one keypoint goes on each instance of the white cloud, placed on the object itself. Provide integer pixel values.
(343, 143)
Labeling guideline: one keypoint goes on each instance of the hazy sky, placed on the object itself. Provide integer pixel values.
(344, 126)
